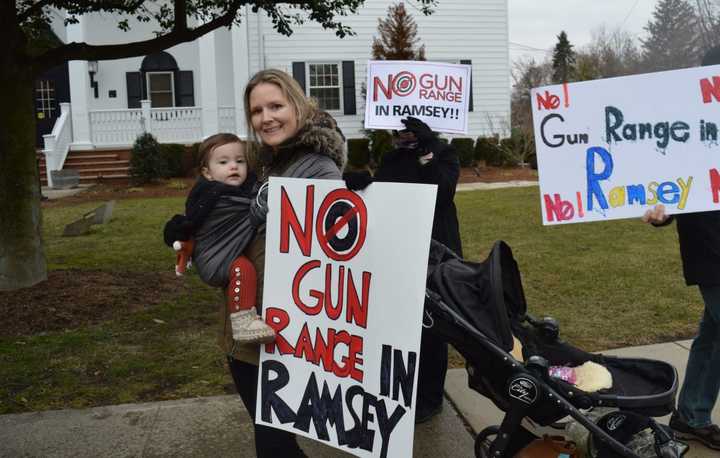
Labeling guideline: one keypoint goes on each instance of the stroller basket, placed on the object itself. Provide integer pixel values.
(480, 307)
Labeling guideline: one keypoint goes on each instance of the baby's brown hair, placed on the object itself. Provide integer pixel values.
(212, 142)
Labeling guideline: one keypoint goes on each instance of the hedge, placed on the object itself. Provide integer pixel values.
(464, 148)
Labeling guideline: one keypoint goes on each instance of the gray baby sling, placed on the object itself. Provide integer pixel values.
(222, 238)
(227, 231)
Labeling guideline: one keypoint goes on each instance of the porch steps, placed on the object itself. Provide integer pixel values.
(110, 167)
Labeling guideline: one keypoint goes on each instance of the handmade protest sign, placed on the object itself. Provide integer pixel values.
(435, 92)
(344, 291)
(613, 148)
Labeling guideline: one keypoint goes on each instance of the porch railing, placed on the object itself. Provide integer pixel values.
(115, 127)
(226, 119)
(120, 128)
(176, 125)
(57, 142)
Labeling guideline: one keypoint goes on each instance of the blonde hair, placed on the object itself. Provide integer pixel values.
(211, 143)
(305, 108)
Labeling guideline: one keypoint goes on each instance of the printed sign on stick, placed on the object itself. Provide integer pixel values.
(344, 291)
(435, 92)
(613, 148)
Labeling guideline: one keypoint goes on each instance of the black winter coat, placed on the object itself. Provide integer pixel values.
(401, 165)
(699, 235)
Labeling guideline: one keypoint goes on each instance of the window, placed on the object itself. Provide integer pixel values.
(45, 99)
(325, 85)
(161, 89)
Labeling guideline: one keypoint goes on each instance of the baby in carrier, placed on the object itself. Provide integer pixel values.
(215, 230)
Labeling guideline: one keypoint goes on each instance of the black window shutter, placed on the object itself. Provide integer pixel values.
(298, 70)
(348, 75)
(184, 89)
(133, 81)
(469, 62)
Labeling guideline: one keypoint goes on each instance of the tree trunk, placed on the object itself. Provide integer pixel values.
(22, 258)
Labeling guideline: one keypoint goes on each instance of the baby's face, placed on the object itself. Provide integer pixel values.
(227, 164)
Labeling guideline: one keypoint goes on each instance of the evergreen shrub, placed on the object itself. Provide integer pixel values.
(147, 162)
(358, 153)
(464, 148)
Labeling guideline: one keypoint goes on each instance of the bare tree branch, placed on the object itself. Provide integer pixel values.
(84, 51)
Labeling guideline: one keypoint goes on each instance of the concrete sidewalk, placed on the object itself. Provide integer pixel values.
(203, 427)
(53, 194)
(220, 427)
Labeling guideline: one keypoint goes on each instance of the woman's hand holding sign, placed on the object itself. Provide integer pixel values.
(656, 215)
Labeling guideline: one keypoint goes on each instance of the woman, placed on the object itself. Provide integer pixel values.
(293, 139)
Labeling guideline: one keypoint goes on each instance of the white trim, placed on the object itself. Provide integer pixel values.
(172, 87)
(338, 63)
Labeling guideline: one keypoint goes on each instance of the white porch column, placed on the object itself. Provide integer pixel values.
(208, 85)
(79, 90)
(241, 70)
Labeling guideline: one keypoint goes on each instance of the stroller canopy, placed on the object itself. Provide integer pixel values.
(483, 293)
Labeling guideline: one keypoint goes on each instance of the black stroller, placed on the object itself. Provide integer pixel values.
(478, 307)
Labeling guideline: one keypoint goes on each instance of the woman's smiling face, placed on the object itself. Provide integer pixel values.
(273, 117)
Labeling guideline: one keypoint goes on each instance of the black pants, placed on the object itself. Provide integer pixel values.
(433, 367)
(269, 442)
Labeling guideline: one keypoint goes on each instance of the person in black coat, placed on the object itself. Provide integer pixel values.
(699, 237)
(420, 157)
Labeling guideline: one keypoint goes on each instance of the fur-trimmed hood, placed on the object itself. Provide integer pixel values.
(319, 135)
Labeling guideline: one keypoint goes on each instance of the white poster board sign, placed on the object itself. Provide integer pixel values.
(435, 92)
(344, 290)
(613, 148)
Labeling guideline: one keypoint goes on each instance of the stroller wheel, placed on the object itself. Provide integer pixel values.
(483, 441)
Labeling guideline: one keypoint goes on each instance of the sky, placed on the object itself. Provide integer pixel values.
(535, 24)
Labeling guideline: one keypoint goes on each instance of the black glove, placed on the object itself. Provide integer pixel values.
(178, 228)
(356, 181)
(258, 208)
(425, 136)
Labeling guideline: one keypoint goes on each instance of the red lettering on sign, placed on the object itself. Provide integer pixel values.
(386, 90)
(278, 319)
(289, 220)
(557, 208)
(715, 185)
(548, 101)
(334, 311)
(357, 309)
(710, 90)
(318, 295)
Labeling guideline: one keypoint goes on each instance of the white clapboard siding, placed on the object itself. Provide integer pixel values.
(458, 30)
(475, 30)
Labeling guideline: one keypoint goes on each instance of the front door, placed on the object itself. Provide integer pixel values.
(51, 88)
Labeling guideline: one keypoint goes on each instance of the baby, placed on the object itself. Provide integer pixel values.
(220, 199)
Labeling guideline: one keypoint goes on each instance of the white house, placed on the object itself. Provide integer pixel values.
(195, 89)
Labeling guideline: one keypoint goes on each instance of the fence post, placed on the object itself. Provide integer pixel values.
(146, 121)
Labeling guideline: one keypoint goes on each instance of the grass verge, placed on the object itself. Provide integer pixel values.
(609, 284)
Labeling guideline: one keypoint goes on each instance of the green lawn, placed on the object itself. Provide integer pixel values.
(609, 284)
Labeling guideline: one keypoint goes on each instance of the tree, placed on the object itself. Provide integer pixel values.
(673, 37)
(609, 54)
(708, 12)
(526, 74)
(398, 41)
(563, 60)
(398, 37)
(22, 22)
